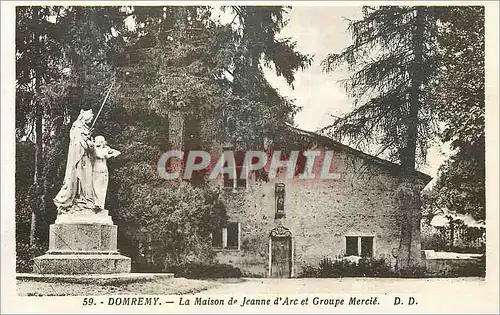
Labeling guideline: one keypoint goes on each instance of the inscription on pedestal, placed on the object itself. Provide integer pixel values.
(82, 249)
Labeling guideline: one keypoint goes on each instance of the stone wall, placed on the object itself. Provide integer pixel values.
(318, 213)
(453, 264)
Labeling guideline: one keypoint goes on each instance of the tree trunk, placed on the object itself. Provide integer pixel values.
(79, 64)
(38, 204)
(180, 16)
(452, 233)
(176, 119)
(409, 191)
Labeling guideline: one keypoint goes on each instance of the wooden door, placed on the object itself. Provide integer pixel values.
(281, 257)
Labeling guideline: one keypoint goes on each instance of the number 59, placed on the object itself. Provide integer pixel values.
(88, 301)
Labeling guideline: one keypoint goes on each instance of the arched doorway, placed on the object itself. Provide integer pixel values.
(280, 253)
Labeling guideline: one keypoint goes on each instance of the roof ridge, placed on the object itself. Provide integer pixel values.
(352, 150)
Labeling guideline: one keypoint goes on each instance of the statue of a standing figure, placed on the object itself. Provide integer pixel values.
(102, 152)
(77, 189)
(83, 238)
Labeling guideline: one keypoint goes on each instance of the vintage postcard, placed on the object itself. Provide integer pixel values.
(249, 157)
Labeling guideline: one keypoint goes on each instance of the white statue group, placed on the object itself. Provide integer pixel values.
(86, 178)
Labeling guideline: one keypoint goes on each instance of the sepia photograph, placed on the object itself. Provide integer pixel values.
(250, 157)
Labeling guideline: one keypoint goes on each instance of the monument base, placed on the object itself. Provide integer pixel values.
(81, 264)
(85, 245)
(99, 279)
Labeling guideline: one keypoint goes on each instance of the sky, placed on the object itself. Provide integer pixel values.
(320, 31)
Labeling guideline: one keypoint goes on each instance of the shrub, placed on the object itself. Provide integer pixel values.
(413, 272)
(381, 267)
(25, 254)
(329, 268)
(375, 267)
(168, 224)
(436, 241)
(309, 271)
(472, 270)
(197, 270)
(476, 269)
(340, 267)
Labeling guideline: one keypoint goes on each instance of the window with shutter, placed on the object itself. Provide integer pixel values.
(351, 246)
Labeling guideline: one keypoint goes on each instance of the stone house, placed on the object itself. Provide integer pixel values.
(278, 226)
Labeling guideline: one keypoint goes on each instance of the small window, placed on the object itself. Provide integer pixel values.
(217, 238)
(238, 181)
(227, 237)
(232, 235)
(359, 246)
(351, 246)
(367, 246)
(300, 166)
(239, 160)
(197, 176)
(228, 182)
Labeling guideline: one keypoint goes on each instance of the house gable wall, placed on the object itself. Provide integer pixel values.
(319, 214)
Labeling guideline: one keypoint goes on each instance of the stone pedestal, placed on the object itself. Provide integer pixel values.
(82, 243)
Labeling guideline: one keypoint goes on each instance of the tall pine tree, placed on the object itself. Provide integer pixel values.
(393, 59)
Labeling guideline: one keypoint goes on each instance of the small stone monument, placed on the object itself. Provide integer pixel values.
(83, 239)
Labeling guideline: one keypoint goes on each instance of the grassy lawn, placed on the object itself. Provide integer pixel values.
(156, 286)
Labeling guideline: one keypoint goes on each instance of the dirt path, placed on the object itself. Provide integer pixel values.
(348, 285)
